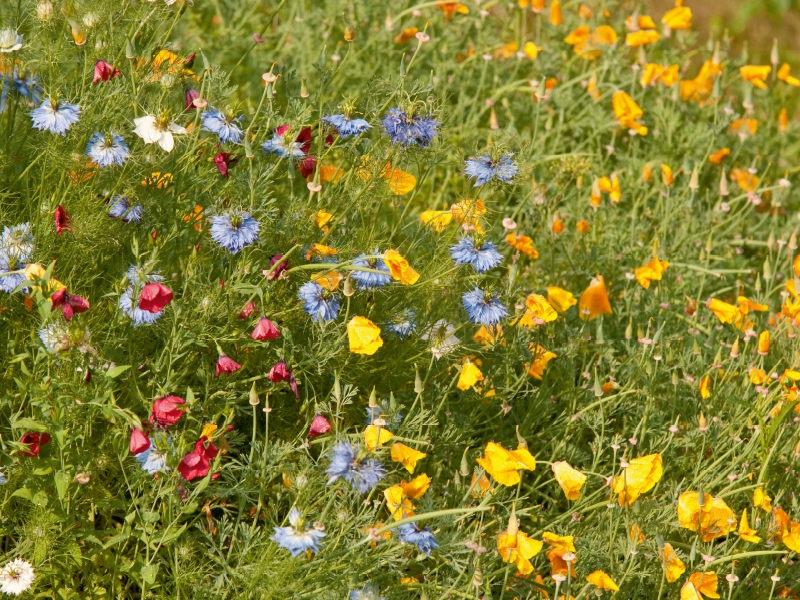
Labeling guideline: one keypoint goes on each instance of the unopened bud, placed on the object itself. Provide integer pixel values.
(248, 148)
(130, 54)
(675, 379)
(513, 528)
(418, 387)
(723, 185)
(541, 90)
(348, 289)
(464, 463)
(337, 388)
(774, 57)
(373, 398)
(629, 330)
(303, 88)
(521, 440)
(388, 23)
(206, 64)
(694, 180)
(44, 10)
(253, 395)
(735, 349)
(767, 271)
(392, 403)
(598, 388)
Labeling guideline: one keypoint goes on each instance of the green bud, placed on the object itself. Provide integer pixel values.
(392, 403)
(337, 388)
(464, 463)
(629, 330)
(418, 387)
(253, 395)
(248, 148)
(598, 388)
(303, 89)
(206, 64)
(373, 398)
(130, 53)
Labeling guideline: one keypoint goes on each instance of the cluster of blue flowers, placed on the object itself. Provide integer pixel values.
(16, 251)
(362, 473)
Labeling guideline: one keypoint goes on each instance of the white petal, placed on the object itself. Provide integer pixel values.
(167, 142)
(176, 128)
(147, 119)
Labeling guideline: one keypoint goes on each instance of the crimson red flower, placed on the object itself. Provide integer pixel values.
(191, 95)
(247, 310)
(69, 303)
(62, 219)
(319, 425)
(103, 72)
(189, 60)
(35, 441)
(154, 297)
(283, 266)
(139, 442)
(265, 330)
(166, 411)
(196, 464)
(226, 365)
(223, 161)
(281, 372)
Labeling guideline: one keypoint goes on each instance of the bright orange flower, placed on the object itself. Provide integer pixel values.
(700, 87)
(757, 377)
(713, 519)
(745, 531)
(763, 343)
(560, 546)
(558, 225)
(756, 74)
(406, 35)
(320, 251)
(451, 8)
(488, 334)
(725, 312)
(540, 359)
(718, 156)
(523, 243)
(654, 73)
(375, 436)
(321, 219)
(666, 175)
(784, 75)
(399, 268)
(679, 17)
(538, 311)
(783, 120)
(744, 127)
(746, 181)
(652, 271)
(641, 38)
(582, 227)
(594, 300)
(555, 13)
(647, 173)
(611, 187)
(560, 299)
(627, 112)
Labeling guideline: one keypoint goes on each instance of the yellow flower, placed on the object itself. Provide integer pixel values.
(745, 532)
(740, 126)
(399, 181)
(757, 377)
(639, 477)
(560, 299)
(35, 271)
(651, 271)
(504, 465)
(523, 243)
(406, 456)
(594, 300)
(641, 38)
(705, 387)
(407, 34)
(208, 430)
(538, 311)
(518, 548)
(705, 583)
(582, 227)
(560, 546)
(570, 480)
(397, 502)
(666, 175)
(761, 499)
(718, 156)
(470, 375)
(611, 187)
(712, 520)
(320, 251)
(763, 343)
(375, 436)
(437, 219)
(627, 112)
(673, 566)
(602, 581)
(399, 268)
(783, 75)
(540, 359)
(647, 172)
(330, 280)
(701, 86)
(555, 13)
(756, 74)
(783, 120)
(679, 17)
(322, 218)
(488, 334)
(469, 211)
(726, 313)
(364, 336)
(531, 50)
(417, 487)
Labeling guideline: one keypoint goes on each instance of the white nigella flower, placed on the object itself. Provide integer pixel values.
(10, 40)
(16, 577)
(157, 130)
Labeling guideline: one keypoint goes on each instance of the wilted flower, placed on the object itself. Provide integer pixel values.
(234, 230)
(224, 161)
(55, 117)
(69, 303)
(296, 539)
(103, 72)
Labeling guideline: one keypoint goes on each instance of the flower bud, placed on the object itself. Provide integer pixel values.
(337, 388)
(735, 349)
(723, 184)
(130, 54)
(464, 463)
(303, 88)
(774, 58)
(44, 10)
(598, 389)
(521, 440)
(253, 395)
(513, 528)
(629, 330)
(418, 387)
(388, 23)
(763, 343)
(373, 398)
(348, 289)
(694, 180)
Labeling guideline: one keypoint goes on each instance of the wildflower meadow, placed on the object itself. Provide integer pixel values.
(347, 299)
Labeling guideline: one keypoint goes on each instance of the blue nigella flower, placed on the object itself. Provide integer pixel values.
(120, 208)
(223, 125)
(362, 474)
(17, 241)
(421, 537)
(28, 87)
(484, 169)
(234, 231)
(130, 305)
(56, 118)
(9, 282)
(54, 337)
(483, 307)
(3, 479)
(152, 460)
(318, 302)
(403, 324)
(368, 592)
(296, 539)
(368, 280)
(409, 130)
(345, 126)
(466, 252)
(277, 145)
(107, 150)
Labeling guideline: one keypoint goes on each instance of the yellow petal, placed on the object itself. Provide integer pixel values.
(371, 434)
(570, 480)
(406, 456)
(364, 336)
(470, 375)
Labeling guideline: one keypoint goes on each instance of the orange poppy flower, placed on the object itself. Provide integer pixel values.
(756, 74)
(720, 155)
(642, 37)
(627, 112)
(679, 17)
(594, 300)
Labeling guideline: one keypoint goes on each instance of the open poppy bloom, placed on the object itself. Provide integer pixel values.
(103, 72)
(197, 464)
(679, 17)
(602, 581)
(469, 376)
(571, 480)
(516, 547)
(700, 583)
(652, 271)
(364, 336)
(642, 37)
(166, 410)
(69, 303)
(560, 299)
(154, 297)
(560, 546)
(594, 300)
(406, 456)
(375, 436)
(756, 74)
(399, 268)
(761, 499)
(745, 531)
(523, 243)
(639, 477)
(712, 519)
(673, 566)
(504, 465)
(540, 359)
(538, 311)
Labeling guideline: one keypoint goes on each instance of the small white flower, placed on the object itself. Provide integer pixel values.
(10, 40)
(153, 130)
(16, 577)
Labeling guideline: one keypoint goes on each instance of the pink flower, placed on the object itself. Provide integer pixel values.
(34, 441)
(247, 310)
(61, 219)
(280, 372)
(265, 330)
(258, 39)
(226, 365)
(103, 72)
(223, 161)
(282, 266)
(190, 97)
(319, 425)
(154, 297)
(139, 442)
(166, 411)
(69, 304)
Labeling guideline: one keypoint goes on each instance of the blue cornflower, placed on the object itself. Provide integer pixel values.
(319, 302)
(9, 282)
(368, 592)
(107, 150)
(484, 169)
(483, 307)
(403, 324)
(223, 125)
(296, 539)
(234, 231)
(121, 209)
(56, 118)
(409, 130)
(362, 474)
(152, 460)
(130, 305)
(366, 279)
(421, 537)
(17, 242)
(346, 126)
(466, 252)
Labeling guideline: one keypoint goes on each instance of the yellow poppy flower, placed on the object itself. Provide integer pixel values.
(406, 456)
(470, 375)
(417, 487)
(647, 173)
(642, 22)
(701, 86)
(756, 74)
(399, 268)
(745, 532)
(364, 336)
(570, 480)
(538, 311)
(784, 75)
(560, 299)
(582, 227)
(666, 174)
(523, 243)
(469, 211)
(791, 537)
(611, 187)
(594, 300)
(641, 38)
(712, 520)
(743, 127)
(726, 313)
(488, 334)
(322, 218)
(757, 377)
(406, 35)
(518, 548)
(504, 465)
(555, 13)
(602, 581)
(437, 219)
(330, 280)
(627, 112)
(718, 156)
(558, 225)
(763, 343)
(639, 477)
(783, 120)
(652, 271)
(679, 17)
(705, 583)
(540, 359)
(560, 546)
(398, 504)
(375, 436)
(320, 251)
(705, 387)
(761, 499)
(673, 566)
(399, 181)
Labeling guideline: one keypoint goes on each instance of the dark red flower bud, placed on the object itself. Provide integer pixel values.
(189, 61)
(35, 441)
(319, 425)
(191, 95)
(88, 377)
(247, 310)
(62, 219)
(265, 330)
(154, 297)
(103, 72)
(154, 234)
(293, 385)
(229, 428)
(226, 365)
(307, 166)
(166, 411)
(223, 161)
(283, 266)
(193, 466)
(139, 442)
(279, 372)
